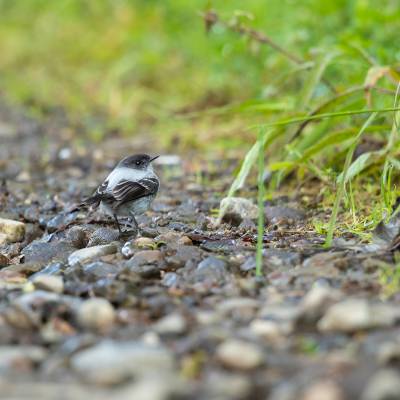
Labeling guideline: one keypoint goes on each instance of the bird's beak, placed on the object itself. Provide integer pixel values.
(152, 159)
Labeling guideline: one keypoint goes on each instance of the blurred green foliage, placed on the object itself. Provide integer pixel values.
(127, 64)
(153, 66)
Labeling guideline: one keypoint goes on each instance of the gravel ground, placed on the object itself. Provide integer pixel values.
(176, 311)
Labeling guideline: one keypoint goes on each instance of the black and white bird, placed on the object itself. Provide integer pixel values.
(128, 190)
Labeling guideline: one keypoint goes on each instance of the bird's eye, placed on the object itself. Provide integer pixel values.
(137, 162)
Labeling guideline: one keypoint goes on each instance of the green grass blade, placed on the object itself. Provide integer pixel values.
(314, 79)
(261, 192)
(325, 115)
(248, 162)
(360, 164)
(341, 189)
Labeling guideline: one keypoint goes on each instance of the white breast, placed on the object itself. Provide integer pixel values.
(127, 174)
(123, 174)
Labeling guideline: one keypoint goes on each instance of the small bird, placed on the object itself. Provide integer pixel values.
(128, 190)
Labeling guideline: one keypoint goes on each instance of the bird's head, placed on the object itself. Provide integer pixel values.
(137, 161)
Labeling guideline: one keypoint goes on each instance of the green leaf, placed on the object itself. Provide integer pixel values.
(358, 165)
(342, 183)
(314, 79)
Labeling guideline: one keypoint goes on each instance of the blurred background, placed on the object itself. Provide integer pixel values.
(134, 67)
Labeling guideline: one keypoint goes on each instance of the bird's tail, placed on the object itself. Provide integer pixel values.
(89, 202)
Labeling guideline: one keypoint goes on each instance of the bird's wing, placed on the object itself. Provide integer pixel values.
(99, 195)
(125, 190)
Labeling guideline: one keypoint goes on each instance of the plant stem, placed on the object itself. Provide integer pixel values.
(261, 190)
(342, 183)
(325, 115)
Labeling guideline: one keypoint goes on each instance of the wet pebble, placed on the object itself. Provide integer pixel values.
(96, 314)
(144, 243)
(50, 283)
(103, 236)
(20, 357)
(168, 237)
(170, 279)
(383, 385)
(56, 268)
(45, 252)
(238, 354)
(227, 385)
(60, 220)
(211, 269)
(356, 314)
(111, 362)
(389, 352)
(172, 324)
(282, 215)
(270, 330)
(238, 307)
(323, 390)
(3, 260)
(236, 209)
(78, 237)
(82, 256)
(177, 256)
(316, 302)
(99, 269)
(11, 231)
(145, 257)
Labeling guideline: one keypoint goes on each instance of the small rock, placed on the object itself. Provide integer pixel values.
(168, 387)
(235, 209)
(211, 269)
(50, 283)
(56, 268)
(3, 259)
(249, 264)
(99, 269)
(206, 317)
(170, 279)
(177, 256)
(144, 243)
(20, 356)
(352, 315)
(268, 329)
(45, 252)
(96, 314)
(384, 385)
(321, 261)
(242, 307)
(14, 231)
(103, 236)
(239, 354)
(323, 390)
(3, 238)
(173, 324)
(389, 352)
(60, 220)
(282, 215)
(316, 301)
(145, 257)
(78, 237)
(128, 249)
(168, 237)
(111, 362)
(185, 241)
(247, 225)
(80, 257)
(222, 385)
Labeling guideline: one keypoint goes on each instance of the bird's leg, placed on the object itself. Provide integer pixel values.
(133, 219)
(116, 220)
